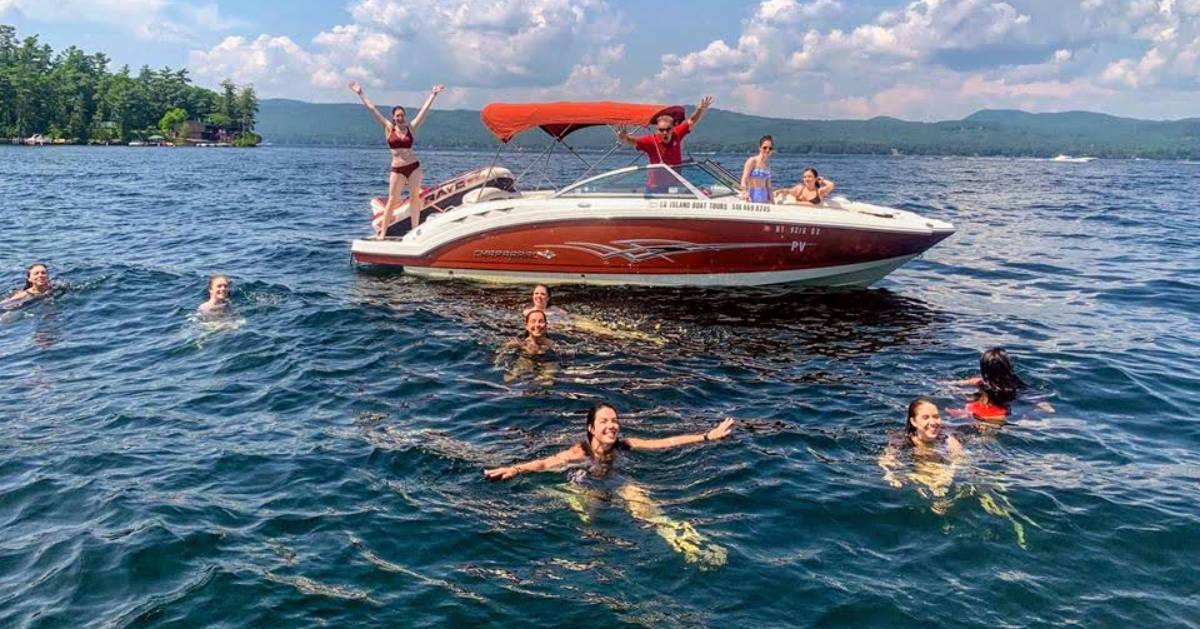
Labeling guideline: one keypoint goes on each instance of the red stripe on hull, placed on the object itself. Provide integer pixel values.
(664, 246)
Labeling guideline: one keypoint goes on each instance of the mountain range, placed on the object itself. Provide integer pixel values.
(987, 132)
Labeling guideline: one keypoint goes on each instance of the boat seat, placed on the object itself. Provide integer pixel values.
(488, 193)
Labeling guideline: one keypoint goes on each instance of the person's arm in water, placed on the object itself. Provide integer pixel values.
(357, 89)
(624, 137)
(715, 434)
(424, 111)
(889, 463)
(973, 381)
(698, 113)
(574, 453)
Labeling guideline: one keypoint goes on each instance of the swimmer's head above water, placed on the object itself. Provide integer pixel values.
(535, 324)
(998, 380)
(603, 426)
(218, 290)
(37, 278)
(541, 297)
(924, 423)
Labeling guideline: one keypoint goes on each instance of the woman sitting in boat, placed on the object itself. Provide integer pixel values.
(218, 297)
(589, 465)
(813, 190)
(998, 387)
(756, 174)
(37, 284)
(406, 169)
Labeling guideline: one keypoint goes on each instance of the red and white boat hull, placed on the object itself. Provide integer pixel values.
(670, 244)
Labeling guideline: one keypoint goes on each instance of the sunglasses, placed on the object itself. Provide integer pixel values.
(768, 148)
(664, 131)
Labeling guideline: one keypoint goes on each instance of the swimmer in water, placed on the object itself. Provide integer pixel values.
(37, 284)
(998, 386)
(218, 297)
(535, 341)
(594, 458)
(935, 454)
(541, 301)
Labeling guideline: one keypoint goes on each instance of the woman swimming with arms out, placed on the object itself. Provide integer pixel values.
(218, 296)
(998, 387)
(756, 174)
(406, 169)
(594, 458)
(813, 190)
(37, 284)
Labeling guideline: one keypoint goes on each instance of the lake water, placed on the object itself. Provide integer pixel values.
(318, 460)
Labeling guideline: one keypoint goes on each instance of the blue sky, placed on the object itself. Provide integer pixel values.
(915, 59)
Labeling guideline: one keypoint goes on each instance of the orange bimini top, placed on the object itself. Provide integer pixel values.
(559, 119)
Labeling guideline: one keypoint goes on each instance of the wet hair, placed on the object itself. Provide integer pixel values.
(998, 380)
(29, 271)
(766, 138)
(401, 108)
(212, 279)
(909, 427)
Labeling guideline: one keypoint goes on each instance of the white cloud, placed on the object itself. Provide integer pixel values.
(407, 45)
(166, 20)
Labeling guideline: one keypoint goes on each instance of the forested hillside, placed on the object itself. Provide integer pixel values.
(72, 95)
(988, 132)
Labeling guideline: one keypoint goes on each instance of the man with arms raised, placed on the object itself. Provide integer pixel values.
(665, 145)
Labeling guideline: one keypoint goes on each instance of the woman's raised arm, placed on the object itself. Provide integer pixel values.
(572, 453)
(437, 89)
(357, 89)
(720, 431)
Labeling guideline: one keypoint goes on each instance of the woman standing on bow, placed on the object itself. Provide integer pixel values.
(406, 169)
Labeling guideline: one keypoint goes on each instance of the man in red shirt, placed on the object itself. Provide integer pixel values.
(665, 145)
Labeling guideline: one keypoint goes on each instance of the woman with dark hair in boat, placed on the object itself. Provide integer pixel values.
(218, 297)
(37, 284)
(813, 189)
(406, 169)
(756, 174)
(590, 464)
(998, 386)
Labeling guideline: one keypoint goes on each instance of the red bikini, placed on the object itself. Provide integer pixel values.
(397, 141)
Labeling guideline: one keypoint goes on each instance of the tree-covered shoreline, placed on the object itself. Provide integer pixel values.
(73, 96)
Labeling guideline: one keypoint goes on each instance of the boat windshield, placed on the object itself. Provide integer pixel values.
(710, 179)
(643, 182)
(655, 181)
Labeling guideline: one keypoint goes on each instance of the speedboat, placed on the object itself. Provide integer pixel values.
(653, 225)
(1073, 160)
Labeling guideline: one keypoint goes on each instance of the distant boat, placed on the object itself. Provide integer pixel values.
(1073, 160)
(137, 143)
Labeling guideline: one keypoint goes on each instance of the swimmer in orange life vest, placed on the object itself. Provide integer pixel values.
(998, 386)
